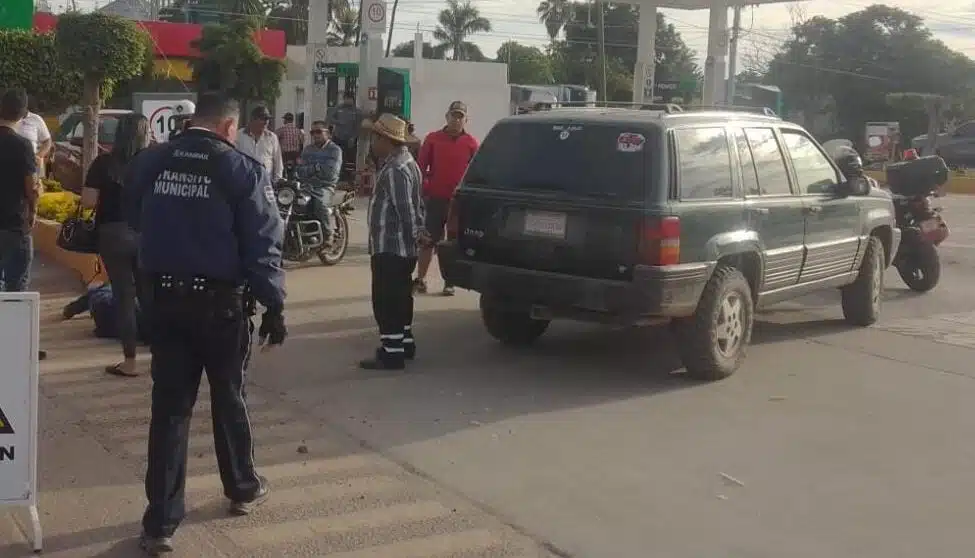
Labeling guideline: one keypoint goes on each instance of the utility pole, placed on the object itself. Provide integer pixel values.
(392, 23)
(601, 39)
(733, 56)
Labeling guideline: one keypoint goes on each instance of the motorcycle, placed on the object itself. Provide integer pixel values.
(913, 185)
(304, 236)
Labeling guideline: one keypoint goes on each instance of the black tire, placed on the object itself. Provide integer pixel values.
(862, 298)
(511, 326)
(335, 253)
(712, 343)
(921, 270)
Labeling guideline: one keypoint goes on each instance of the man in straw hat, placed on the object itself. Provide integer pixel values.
(396, 232)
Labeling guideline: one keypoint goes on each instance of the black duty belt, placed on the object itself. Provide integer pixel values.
(195, 284)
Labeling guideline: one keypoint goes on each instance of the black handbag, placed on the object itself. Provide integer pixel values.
(78, 234)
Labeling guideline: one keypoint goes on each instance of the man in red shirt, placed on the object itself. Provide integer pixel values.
(443, 160)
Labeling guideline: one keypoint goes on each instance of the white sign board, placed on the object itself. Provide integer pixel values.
(374, 16)
(19, 340)
(162, 118)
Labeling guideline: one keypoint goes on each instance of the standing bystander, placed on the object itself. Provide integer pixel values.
(291, 138)
(262, 144)
(19, 190)
(35, 130)
(395, 232)
(344, 121)
(443, 160)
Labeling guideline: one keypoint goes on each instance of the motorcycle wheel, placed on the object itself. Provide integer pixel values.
(335, 253)
(921, 270)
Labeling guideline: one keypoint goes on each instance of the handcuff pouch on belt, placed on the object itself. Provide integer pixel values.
(196, 290)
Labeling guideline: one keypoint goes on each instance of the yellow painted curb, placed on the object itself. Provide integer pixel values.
(957, 183)
(88, 267)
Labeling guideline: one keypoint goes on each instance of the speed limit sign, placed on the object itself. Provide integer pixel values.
(375, 20)
(162, 119)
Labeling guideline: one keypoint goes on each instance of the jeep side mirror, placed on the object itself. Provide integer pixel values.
(857, 186)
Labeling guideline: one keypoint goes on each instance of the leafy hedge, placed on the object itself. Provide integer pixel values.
(31, 61)
(57, 206)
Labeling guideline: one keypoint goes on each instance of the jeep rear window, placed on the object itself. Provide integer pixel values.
(585, 159)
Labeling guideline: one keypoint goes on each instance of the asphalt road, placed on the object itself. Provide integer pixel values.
(830, 441)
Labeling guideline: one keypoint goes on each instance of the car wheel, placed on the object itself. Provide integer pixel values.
(713, 342)
(861, 299)
(511, 326)
(921, 270)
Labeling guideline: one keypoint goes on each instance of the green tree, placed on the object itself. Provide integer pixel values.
(31, 62)
(554, 14)
(231, 62)
(457, 22)
(214, 11)
(104, 49)
(405, 50)
(849, 65)
(527, 65)
(290, 16)
(576, 60)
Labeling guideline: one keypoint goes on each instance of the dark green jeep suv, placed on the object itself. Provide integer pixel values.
(632, 217)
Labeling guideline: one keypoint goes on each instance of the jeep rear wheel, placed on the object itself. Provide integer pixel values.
(511, 326)
(861, 298)
(712, 343)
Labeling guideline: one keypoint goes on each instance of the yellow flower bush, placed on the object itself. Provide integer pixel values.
(51, 185)
(57, 206)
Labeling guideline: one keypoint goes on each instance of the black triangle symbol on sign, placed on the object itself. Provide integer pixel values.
(5, 426)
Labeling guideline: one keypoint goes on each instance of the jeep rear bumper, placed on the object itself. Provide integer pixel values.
(654, 292)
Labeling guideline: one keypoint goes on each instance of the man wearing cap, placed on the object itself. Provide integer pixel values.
(261, 144)
(396, 232)
(443, 160)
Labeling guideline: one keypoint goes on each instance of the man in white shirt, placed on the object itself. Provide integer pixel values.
(35, 130)
(261, 143)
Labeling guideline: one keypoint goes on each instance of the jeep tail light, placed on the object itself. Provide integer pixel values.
(453, 221)
(660, 241)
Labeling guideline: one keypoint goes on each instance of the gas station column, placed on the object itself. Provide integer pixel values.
(316, 57)
(716, 62)
(646, 55)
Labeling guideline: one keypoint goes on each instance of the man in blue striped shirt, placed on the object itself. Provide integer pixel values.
(396, 231)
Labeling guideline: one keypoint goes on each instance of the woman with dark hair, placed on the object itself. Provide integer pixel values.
(117, 243)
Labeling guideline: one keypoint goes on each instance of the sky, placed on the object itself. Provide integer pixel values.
(763, 27)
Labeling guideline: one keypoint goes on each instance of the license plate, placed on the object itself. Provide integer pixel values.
(930, 225)
(544, 223)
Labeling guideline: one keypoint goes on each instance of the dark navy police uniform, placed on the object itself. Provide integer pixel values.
(210, 235)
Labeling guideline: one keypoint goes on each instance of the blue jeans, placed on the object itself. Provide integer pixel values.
(16, 253)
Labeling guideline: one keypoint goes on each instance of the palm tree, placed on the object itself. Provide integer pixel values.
(554, 14)
(458, 21)
(345, 26)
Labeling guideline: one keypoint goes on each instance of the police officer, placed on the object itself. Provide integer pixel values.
(210, 236)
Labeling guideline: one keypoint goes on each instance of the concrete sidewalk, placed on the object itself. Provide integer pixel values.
(330, 496)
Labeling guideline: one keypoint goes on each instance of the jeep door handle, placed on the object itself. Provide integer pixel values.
(759, 210)
(812, 209)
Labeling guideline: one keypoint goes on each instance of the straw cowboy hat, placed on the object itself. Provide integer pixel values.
(392, 127)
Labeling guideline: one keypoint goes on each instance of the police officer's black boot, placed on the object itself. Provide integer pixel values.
(409, 343)
(389, 356)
